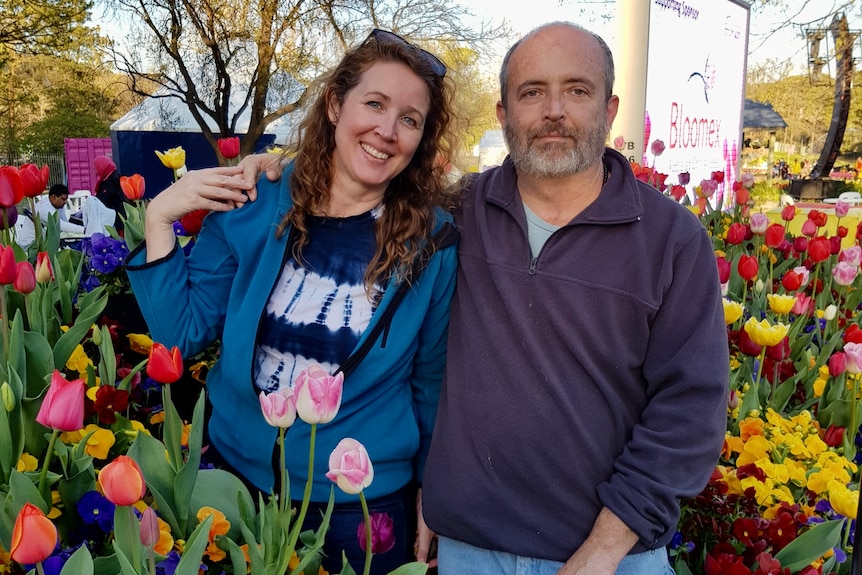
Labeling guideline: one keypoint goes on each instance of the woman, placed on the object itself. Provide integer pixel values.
(108, 190)
(302, 274)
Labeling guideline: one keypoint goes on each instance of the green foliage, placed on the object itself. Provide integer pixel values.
(764, 192)
(40, 26)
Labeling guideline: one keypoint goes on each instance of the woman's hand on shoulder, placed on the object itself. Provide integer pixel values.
(215, 189)
(256, 164)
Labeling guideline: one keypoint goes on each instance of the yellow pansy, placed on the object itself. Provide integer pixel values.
(157, 417)
(72, 437)
(79, 361)
(27, 463)
(764, 333)
(100, 442)
(781, 303)
(140, 343)
(175, 158)
(219, 526)
(732, 310)
(755, 449)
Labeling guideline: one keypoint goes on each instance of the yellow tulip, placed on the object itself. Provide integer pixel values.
(781, 303)
(762, 333)
(732, 311)
(140, 343)
(175, 158)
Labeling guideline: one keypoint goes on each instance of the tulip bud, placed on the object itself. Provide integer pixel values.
(8, 397)
(44, 270)
(122, 481)
(830, 312)
(279, 408)
(833, 436)
(733, 399)
(149, 528)
(350, 467)
(837, 364)
(759, 286)
(25, 278)
(97, 335)
(181, 171)
(318, 394)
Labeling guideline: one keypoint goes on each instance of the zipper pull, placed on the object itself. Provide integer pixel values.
(533, 263)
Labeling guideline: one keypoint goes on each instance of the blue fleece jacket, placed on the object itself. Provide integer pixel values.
(219, 292)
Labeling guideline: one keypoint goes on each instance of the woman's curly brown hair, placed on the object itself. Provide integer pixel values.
(411, 196)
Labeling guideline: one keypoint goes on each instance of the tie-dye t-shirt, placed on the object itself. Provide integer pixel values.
(318, 310)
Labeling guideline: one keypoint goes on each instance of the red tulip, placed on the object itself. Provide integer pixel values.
(819, 218)
(747, 346)
(841, 232)
(25, 278)
(774, 236)
(747, 267)
(33, 179)
(837, 364)
(833, 436)
(228, 147)
(193, 222)
(853, 334)
(44, 270)
(742, 194)
(133, 186)
(122, 481)
(780, 350)
(819, 249)
(723, 269)
(11, 189)
(834, 245)
(34, 536)
(63, 406)
(164, 366)
(800, 244)
(717, 177)
(8, 270)
(736, 233)
(791, 281)
(788, 213)
(677, 192)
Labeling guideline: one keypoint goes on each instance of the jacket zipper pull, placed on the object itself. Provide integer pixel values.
(533, 263)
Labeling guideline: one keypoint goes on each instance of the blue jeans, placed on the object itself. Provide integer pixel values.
(457, 558)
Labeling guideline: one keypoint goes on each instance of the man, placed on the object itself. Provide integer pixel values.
(55, 202)
(585, 391)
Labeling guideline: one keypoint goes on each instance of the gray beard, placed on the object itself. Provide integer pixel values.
(558, 159)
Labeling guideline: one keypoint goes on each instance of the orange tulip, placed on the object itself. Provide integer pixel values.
(165, 366)
(63, 406)
(122, 481)
(133, 186)
(34, 536)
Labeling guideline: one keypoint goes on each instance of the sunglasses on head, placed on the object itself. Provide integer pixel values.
(384, 36)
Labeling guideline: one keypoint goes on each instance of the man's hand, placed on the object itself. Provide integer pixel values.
(608, 543)
(424, 536)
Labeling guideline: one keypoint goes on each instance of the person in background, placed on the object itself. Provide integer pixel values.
(108, 190)
(586, 380)
(53, 203)
(308, 272)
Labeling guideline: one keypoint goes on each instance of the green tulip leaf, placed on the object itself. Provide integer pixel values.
(190, 562)
(127, 537)
(415, 568)
(106, 565)
(149, 453)
(346, 569)
(811, 545)
(126, 567)
(22, 490)
(256, 551)
(80, 563)
(91, 309)
(107, 358)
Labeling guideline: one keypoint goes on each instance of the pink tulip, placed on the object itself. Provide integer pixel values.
(657, 147)
(804, 272)
(318, 394)
(708, 188)
(852, 256)
(758, 223)
(788, 213)
(63, 406)
(837, 364)
(809, 228)
(841, 208)
(44, 270)
(803, 305)
(25, 278)
(853, 352)
(844, 274)
(279, 408)
(747, 179)
(350, 467)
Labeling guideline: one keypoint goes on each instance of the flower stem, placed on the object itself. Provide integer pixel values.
(136, 550)
(5, 320)
(43, 474)
(40, 569)
(281, 457)
(306, 496)
(365, 516)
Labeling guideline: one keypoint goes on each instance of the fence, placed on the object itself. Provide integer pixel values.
(55, 161)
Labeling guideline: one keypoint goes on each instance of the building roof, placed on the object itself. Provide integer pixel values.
(760, 116)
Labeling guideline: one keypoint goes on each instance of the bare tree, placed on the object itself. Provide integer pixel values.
(223, 58)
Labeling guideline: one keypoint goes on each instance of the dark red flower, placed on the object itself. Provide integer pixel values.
(833, 436)
(747, 346)
(193, 222)
(717, 176)
(779, 351)
(110, 400)
(382, 533)
(723, 269)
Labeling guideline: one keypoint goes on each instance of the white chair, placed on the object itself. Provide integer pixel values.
(76, 200)
(851, 197)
